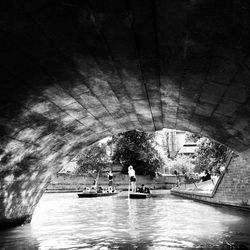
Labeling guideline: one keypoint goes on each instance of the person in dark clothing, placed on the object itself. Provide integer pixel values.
(147, 190)
(100, 189)
(144, 189)
(110, 178)
(94, 186)
(141, 189)
(178, 181)
(206, 177)
(218, 172)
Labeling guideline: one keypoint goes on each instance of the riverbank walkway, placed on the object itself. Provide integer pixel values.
(201, 187)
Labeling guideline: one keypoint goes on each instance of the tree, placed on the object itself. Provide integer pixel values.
(182, 164)
(93, 160)
(135, 148)
(210, 155)
(191, 137)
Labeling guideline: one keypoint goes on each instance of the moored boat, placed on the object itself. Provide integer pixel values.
(95, 194)
(139, 195)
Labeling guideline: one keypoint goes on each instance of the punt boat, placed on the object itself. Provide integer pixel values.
(95, 194)
(139, 195)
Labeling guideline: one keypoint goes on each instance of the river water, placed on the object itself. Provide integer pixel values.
(63, 221)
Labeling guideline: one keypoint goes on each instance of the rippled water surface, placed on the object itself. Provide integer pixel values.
(63, 221)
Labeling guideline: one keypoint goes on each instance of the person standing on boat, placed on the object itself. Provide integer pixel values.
(110, 179)
(132, 178)
(94, 186)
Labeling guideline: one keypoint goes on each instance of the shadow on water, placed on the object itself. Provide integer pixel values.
(19, 238)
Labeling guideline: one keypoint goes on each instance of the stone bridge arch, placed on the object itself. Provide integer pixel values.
(74, 72)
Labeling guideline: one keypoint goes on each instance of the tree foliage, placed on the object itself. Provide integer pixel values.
(93, 160)
(182, 164)
(135, 148)
(191, 137)
(210, 155)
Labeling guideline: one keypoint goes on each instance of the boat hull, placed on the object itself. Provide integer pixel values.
(139, 195)
(92, 195)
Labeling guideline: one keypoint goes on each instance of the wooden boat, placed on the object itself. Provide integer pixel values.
(139, 195)
(95, 194)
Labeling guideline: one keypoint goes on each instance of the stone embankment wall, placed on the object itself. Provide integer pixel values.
(72, 183)
(233, 188)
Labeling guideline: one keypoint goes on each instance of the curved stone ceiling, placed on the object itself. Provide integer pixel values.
(74, 72)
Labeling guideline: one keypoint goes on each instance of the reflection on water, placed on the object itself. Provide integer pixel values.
(63, 221)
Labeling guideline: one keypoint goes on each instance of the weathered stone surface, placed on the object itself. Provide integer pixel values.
(73, 74)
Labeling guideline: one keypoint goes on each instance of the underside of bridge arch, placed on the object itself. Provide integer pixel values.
(73, 72)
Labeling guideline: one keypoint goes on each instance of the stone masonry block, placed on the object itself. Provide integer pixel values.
(212, 92)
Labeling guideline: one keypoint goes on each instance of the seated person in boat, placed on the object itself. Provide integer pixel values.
(141, 189)
(100, 189)
(86, 189)
(110, 189)
(147, 190)
(144, 189)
